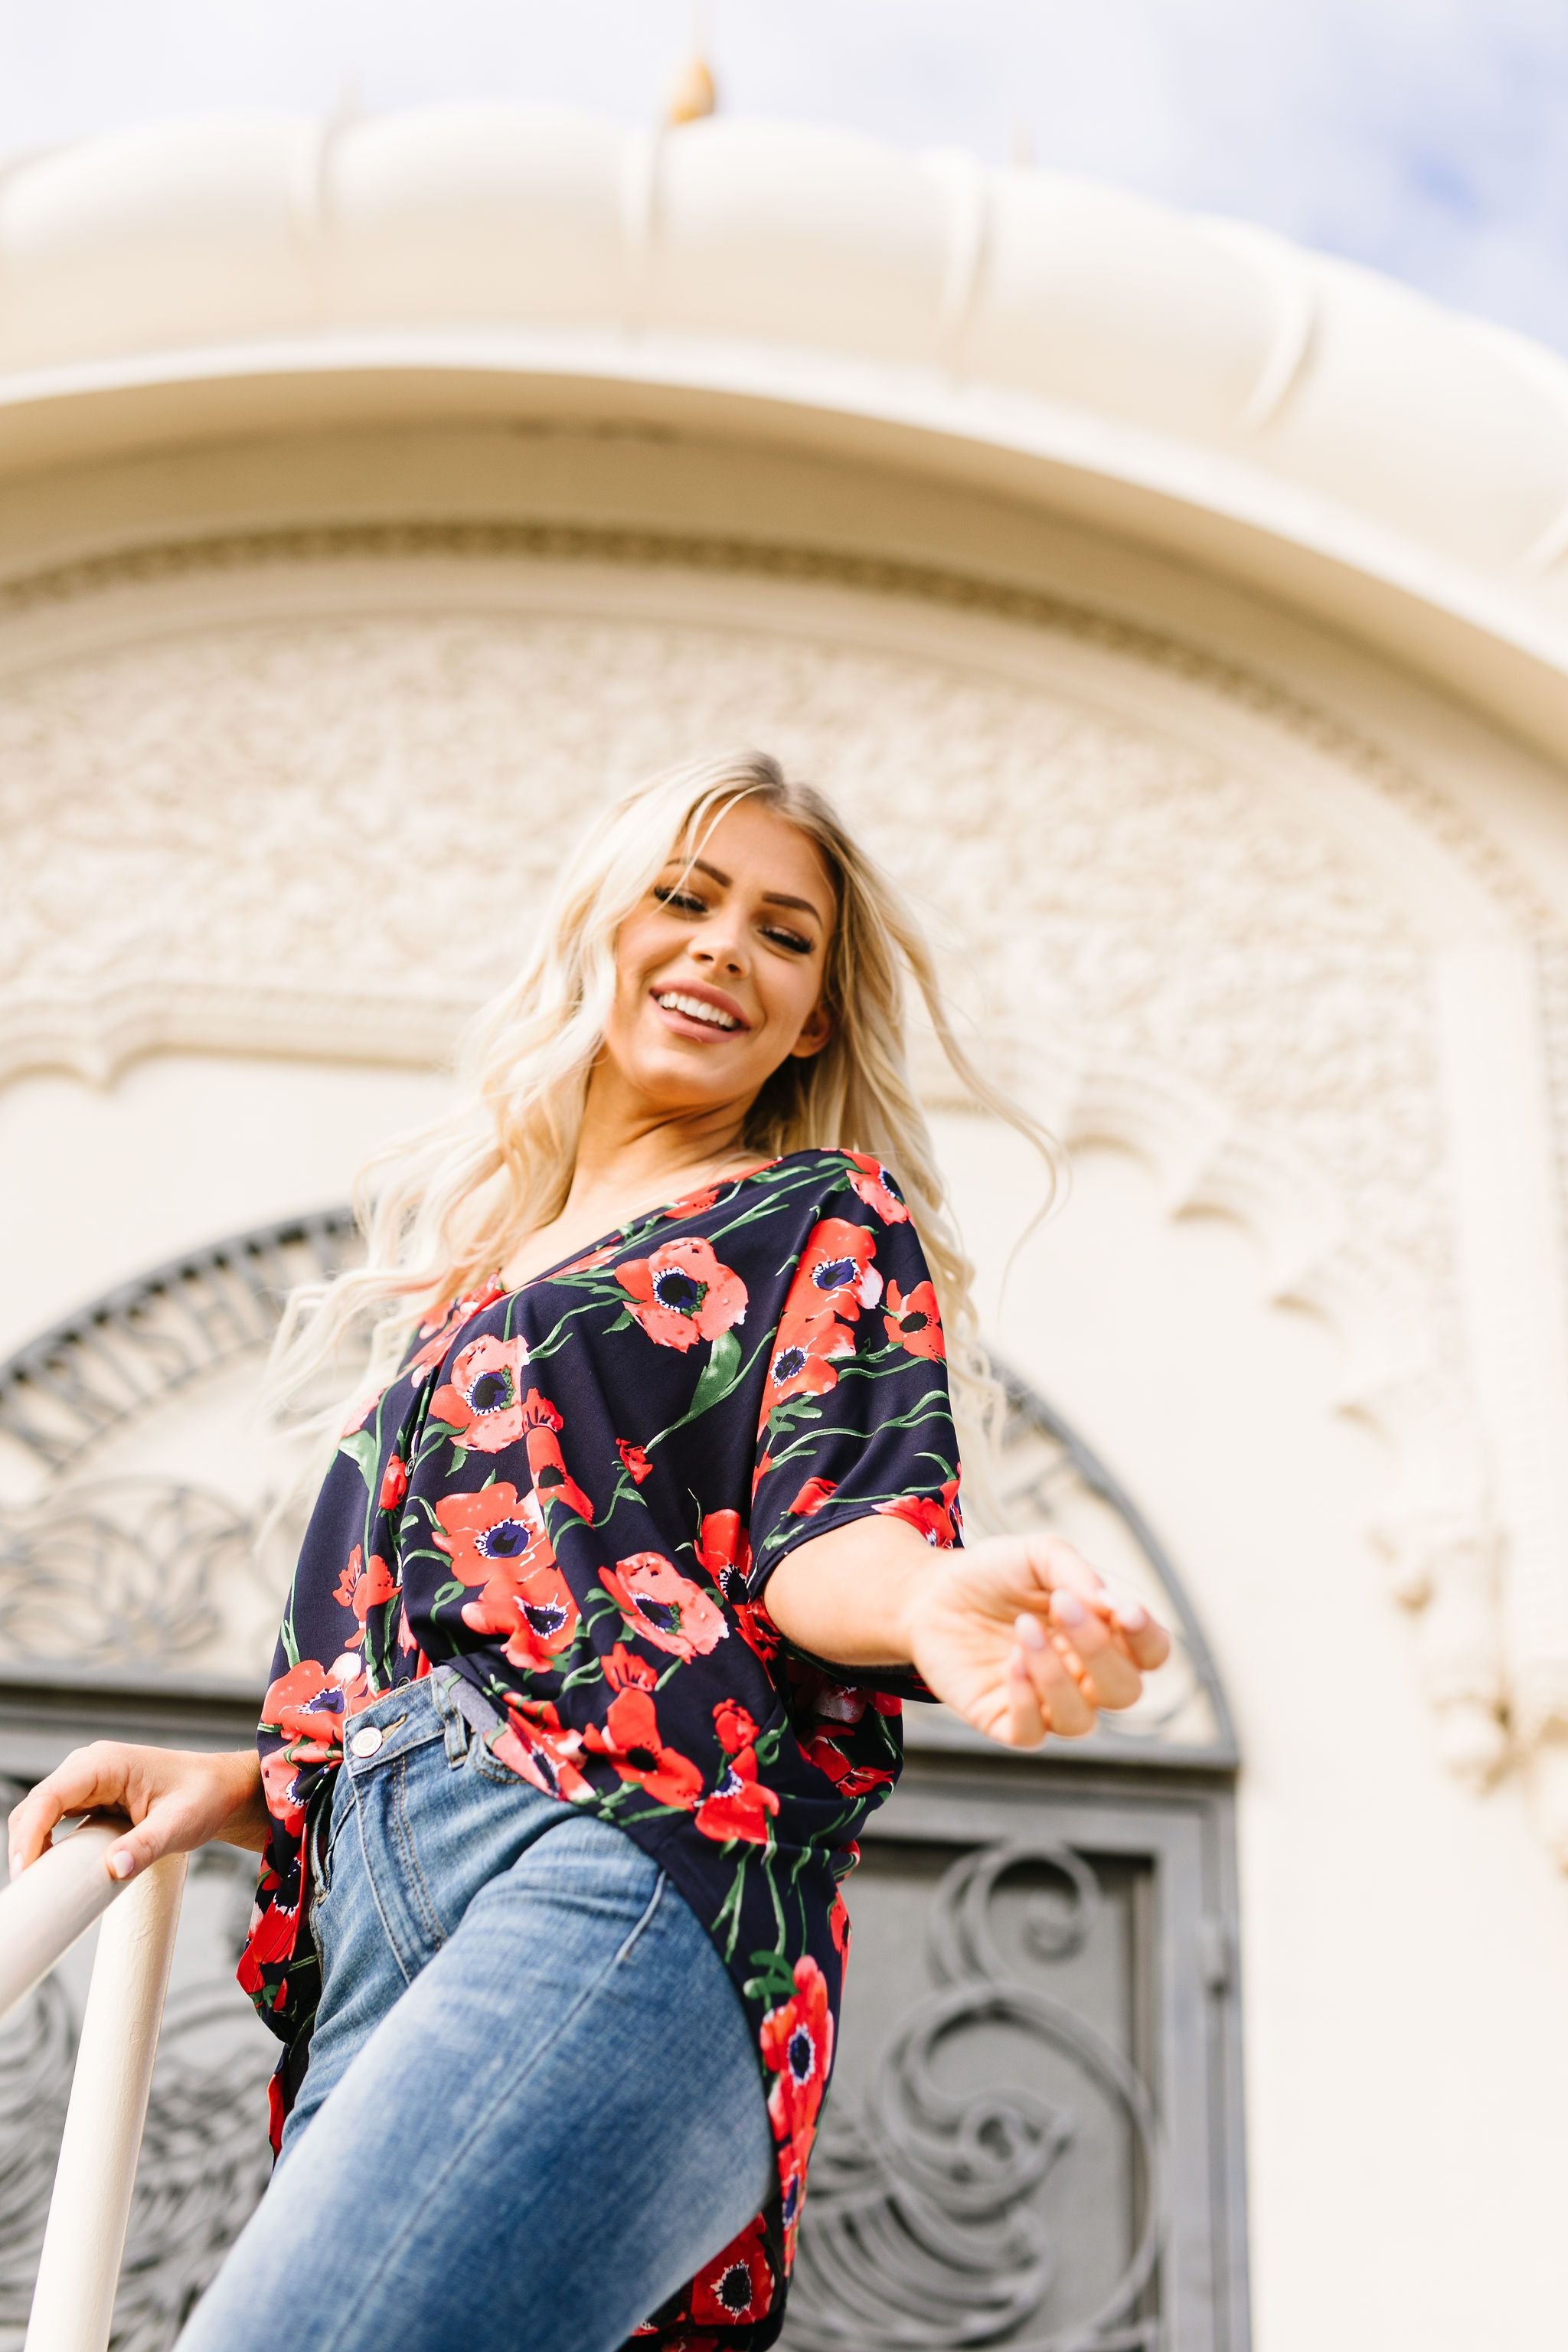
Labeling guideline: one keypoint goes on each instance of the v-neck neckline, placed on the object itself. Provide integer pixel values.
(659, 1211)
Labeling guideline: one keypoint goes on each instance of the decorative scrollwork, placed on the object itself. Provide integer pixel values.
(127, 1350)
(127, 1579)
(924, 2230)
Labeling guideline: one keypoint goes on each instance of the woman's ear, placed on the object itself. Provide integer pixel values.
(815, 1032)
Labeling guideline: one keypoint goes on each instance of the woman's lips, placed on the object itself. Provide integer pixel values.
(697, 1024)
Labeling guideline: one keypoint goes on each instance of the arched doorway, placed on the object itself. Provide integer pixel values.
(1035, 2135)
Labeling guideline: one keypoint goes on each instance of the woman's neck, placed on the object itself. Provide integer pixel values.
(625, 1166)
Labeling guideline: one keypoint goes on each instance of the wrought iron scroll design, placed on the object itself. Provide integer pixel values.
(127, 1349)
(922, 2227)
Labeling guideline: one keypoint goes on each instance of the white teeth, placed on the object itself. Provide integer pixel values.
(673, 1001)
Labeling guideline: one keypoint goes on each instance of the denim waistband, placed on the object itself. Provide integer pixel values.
(417, 1711)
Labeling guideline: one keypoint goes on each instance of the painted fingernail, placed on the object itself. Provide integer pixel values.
(1068, 1608)
(1030, 1632)
(122, 1864)
(1131, 1616)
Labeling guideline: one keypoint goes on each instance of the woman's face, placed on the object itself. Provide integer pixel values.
(718, 971)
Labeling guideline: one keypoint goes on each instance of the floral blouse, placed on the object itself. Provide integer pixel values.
(576, 1491)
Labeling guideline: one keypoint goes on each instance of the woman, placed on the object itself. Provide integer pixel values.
(592, 1666)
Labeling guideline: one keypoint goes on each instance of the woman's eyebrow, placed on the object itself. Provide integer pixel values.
(769, 898)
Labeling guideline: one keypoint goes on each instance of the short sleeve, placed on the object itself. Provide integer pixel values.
(855, 1415)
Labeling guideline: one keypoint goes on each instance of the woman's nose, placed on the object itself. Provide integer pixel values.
(716, 948)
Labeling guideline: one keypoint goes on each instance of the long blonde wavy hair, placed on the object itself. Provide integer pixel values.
(443, 1206)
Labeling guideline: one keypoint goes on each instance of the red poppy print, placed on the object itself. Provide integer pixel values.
(757, 1630)
(305, 1705)
(680, 1293)
(724, 1552)
(691, 1204)
(553, 1482)
(624, 1671)
(482, 1403)
(537, 1747)
(735, 1725)
(915, 1322)
(875, 1187)
(665, 1607)
(364, 1589)
(736, 2286)
(442, 1329)
(533, 1612)
(929, 1518)
(280, 1790)
(493, 1530)
(618, 1617)
(850, 1779)
(837, 1270)
(394, 1482)
(797, 2050)
(806, 1359)
(274, 1927)
(630, 1740)
(497, 1541)
(633, 1461)
(740, 1805)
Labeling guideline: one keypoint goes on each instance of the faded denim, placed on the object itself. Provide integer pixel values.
(532, 2108)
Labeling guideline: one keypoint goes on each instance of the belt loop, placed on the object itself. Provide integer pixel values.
(454, 1730)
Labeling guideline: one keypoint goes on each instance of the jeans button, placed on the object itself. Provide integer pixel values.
(366, 1742)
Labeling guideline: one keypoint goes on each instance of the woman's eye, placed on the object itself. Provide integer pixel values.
(684, 899)
(790, 939)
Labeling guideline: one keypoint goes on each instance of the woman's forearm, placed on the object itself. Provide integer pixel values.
(850, 1593)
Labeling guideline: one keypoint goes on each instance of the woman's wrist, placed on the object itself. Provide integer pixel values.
(248, 1822)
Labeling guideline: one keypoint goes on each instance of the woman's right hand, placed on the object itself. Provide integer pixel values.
(177, 1798)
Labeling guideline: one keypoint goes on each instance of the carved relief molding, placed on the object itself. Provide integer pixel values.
(244, 828)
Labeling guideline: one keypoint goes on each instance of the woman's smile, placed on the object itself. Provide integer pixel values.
(692, 1009)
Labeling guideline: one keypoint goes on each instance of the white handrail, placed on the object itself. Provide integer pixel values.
(42, 1913)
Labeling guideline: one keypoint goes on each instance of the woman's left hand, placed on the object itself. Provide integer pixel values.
(1019, 1635)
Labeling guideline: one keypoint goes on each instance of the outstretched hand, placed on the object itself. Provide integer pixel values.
(1019, 1636)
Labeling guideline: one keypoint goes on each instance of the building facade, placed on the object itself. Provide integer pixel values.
(1184, 618)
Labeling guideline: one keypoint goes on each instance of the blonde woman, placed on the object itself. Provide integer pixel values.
(592, 1666)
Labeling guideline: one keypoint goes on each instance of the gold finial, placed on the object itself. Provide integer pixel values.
(692, 93)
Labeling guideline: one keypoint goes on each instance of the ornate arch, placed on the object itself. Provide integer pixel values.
(349, 701)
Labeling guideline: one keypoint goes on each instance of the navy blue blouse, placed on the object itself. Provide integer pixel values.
(576, 1492)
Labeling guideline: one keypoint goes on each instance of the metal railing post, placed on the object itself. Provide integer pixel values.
(73, 2301)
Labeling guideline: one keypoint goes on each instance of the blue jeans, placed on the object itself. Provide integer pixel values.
(532, 2108)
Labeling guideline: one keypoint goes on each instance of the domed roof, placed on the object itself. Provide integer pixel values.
(1321, 430)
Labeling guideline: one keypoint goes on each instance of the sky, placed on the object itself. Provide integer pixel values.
(1426, 137)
